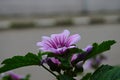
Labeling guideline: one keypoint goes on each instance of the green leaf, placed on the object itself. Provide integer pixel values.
(86, 77)
(65, 77)
(100, 71)
(65, 63)
(6, 78)
(106, 72)
(100, 48)
(19, 61)
(40, 55)
(47, 53)
(74, 50)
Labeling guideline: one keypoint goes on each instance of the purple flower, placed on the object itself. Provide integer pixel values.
(15, 76)
(54, 64)
(81, 56)
(79, 64)
(74, 57)
(87, 64)
(53, 61)
(88, 48)
(77, 57)
(94, 62)
(58, 43)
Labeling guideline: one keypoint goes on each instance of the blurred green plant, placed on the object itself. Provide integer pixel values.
(22, 25)
(118, 19)
(97, 20)
(64, 22)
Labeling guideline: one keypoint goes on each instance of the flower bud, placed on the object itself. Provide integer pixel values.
(77, 57)
(94, 62)
(88, 48)
(53, 64)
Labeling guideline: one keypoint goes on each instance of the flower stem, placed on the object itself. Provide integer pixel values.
(49, 70)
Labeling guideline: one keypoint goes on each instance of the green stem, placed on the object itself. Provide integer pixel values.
(49, 71)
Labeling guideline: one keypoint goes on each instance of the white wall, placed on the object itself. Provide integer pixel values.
(103, 5)
(56, 6)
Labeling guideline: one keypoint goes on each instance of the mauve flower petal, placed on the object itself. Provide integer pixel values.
(93, 62)
(15, 76)
(43, 44)
(65, 33)
(61, 50)
(56, 51)
(87, 64)
(55, 61)
(73, 39)
(74, 57)
(39, 44)
(60, 39)
(58, 43)
(88, 48)
(47, 42)
(45, 38)
(72, 47)
(79, 64)
(64, 49)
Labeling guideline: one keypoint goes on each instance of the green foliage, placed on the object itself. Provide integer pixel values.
(78, 70)
(100, 48)
(106, 72)
(65, 77)
(100, 71)
(118, 19)
(21, 25)
(49, 54)
(40, 55)
(74, 50)
(19, 61)
(65, 63)
(86, 77)
(64, 22)
(97, 20)
(6, 78)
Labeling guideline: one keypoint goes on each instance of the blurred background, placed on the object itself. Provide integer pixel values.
(24, 22)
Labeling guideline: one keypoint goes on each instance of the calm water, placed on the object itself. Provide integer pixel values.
(19, 42)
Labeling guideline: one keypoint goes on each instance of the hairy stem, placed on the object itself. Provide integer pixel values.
(49, 70)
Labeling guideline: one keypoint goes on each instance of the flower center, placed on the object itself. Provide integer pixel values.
(59, 46)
